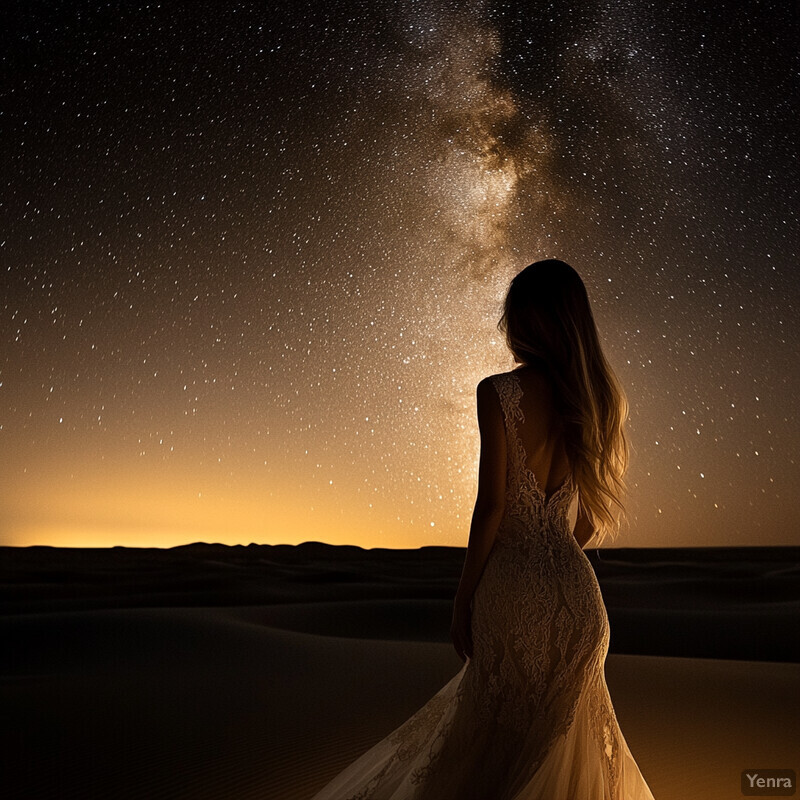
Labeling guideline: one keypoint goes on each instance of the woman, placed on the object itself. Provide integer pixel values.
(529, 715)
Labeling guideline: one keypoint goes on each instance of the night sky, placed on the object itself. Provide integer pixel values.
(253, 257)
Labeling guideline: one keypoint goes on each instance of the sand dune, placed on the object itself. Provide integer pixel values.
(735, 603)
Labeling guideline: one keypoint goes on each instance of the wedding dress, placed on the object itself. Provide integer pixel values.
(529, 716)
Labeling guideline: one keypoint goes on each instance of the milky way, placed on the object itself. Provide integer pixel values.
(253, 261)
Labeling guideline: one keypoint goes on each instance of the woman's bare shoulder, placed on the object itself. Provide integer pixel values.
(490, 382)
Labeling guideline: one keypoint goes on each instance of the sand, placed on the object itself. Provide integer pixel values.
(208, 703)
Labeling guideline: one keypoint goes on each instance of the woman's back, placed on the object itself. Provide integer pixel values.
(540, 430)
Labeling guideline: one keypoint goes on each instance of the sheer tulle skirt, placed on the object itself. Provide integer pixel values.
(469, 763)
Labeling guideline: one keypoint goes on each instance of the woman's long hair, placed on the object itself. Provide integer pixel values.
(548, 323)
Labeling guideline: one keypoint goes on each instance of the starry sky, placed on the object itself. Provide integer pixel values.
(252, 257)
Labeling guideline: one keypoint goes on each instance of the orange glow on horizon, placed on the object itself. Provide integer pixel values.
(156, 510)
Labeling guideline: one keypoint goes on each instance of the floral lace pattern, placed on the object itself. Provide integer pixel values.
(502, 728)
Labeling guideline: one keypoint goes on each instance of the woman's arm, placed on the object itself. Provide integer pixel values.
(490, 501)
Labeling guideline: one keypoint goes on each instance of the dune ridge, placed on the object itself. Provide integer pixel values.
(733, 603)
